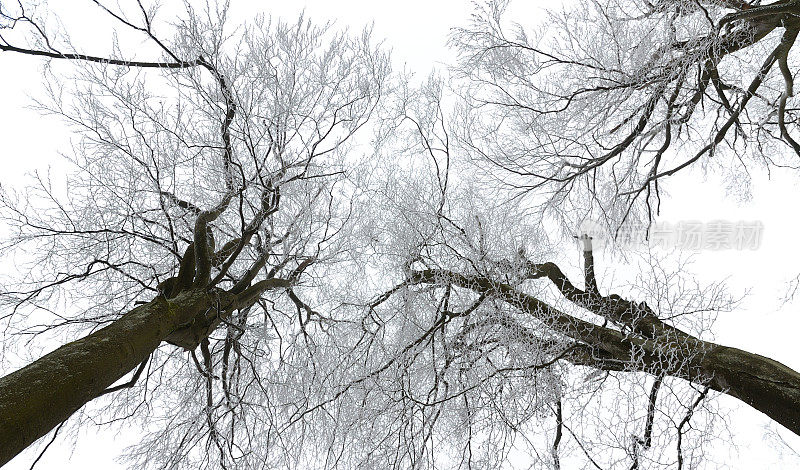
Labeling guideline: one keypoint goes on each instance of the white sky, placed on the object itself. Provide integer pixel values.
(417, 30)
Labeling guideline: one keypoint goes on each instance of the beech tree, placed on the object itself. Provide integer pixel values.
(279, 301)
(209, 183)
(587, 117)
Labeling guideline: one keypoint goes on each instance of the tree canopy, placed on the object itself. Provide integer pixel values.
(271, 250)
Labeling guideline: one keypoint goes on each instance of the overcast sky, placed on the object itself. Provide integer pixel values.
(417, 31)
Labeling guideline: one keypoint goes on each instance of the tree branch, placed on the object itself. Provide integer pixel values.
(101, 60)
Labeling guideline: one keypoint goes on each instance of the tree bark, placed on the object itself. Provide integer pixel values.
(653, 347)
(765, 384)
(41, 395)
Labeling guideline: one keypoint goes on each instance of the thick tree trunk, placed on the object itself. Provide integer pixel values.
(766, 385)
(38, 397)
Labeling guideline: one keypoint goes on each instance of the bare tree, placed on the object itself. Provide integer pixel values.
(209, 185)
(587, 118)
(281, 303)
(605, 100)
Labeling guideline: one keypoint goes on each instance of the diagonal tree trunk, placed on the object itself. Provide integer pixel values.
(41, 395)
(765, 384)
(651, 346)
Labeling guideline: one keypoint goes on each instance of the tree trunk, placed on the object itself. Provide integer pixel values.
(41, 395)
(766, 385)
